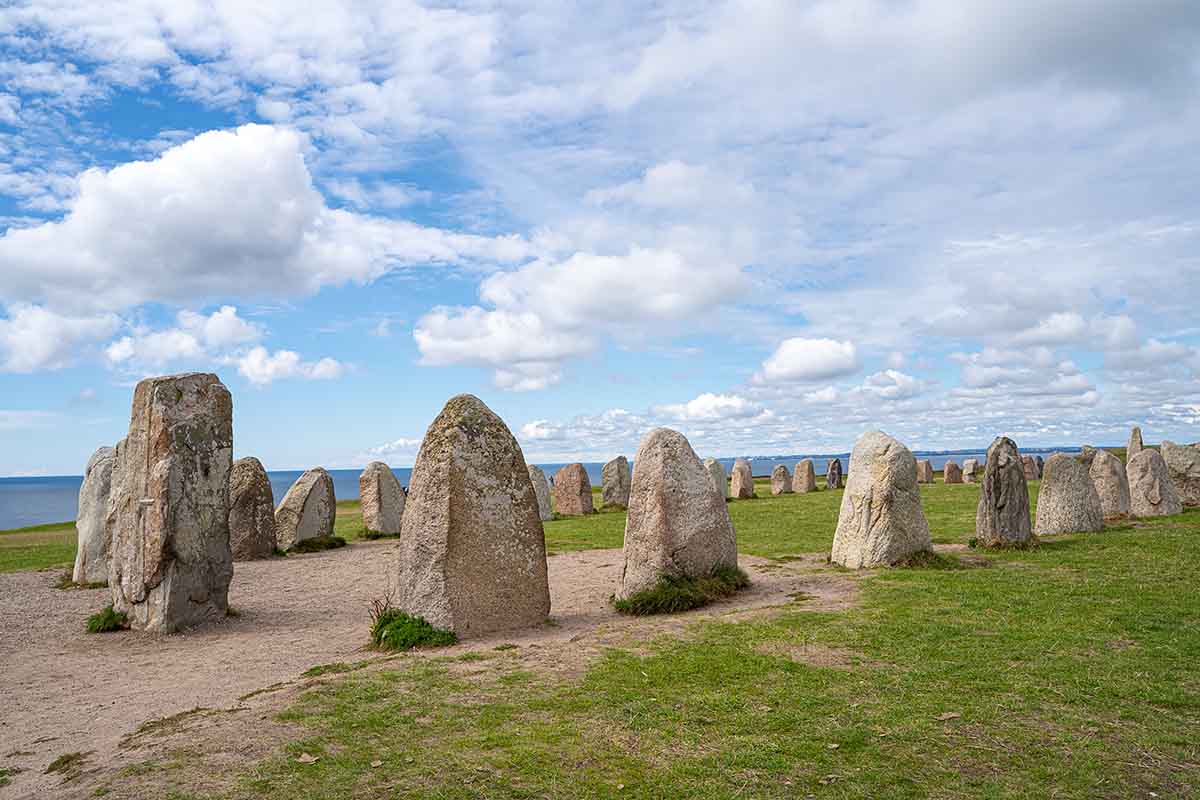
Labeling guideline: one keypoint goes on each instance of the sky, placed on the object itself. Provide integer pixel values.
(770, 225)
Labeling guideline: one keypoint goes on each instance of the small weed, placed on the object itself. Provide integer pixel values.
(470, 656)
(333, 669)
(927, 559)
(505, 646)
(67, 764)
(393, 629)
(65, 582)
(107, 621)
(6, 774)
(674, 594)
(318, 544)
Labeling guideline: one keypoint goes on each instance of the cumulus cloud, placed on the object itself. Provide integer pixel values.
(801, 360)
(34, 338)
(195, 337)
(893, 384)
(710, 406)
(261, 367)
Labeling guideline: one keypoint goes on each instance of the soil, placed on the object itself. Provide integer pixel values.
(117, 697)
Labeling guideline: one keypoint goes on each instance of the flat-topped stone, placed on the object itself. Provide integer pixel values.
(716, 473)
(1067, 501)
(741, 480)
(572, 491)
(952, 472)
(307, 511)
(805, 479)
(970, 470)
(924, 471)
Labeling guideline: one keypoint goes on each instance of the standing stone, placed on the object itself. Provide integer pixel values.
(1029, 468)
(1002, 518)
(169, 562)
(805, 479)
(307, 511)
(741, 482)
(1067, 500)
(572, 491)
(91, 553)
(1183, 465)
(1112, 484)
(833, 474)
(615, 483)
(781, 480)
(677, 526)
(382, 499)
(716, 472)
(472, 553)
(952, 472)
(1151, 493)
(541, 490)
(924, 471)
(251, 511)
(1041, 465)
(969, 468)
(1135, 444)
(881, 521)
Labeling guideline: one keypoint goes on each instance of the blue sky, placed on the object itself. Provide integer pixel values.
(771, 225)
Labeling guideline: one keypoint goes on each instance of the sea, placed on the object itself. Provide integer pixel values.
(32, 501)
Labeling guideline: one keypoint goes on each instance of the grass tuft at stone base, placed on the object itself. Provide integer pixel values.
(393, 629)
(317, 545)
(674, 594)
(107, 621)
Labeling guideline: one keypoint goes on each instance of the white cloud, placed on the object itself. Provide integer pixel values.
(710, 406)
(800, 359)
(1059, 328)
(34, 338)
(11, 420)
(893, 385)
(196, 338)
(675, 185)
(261, 367)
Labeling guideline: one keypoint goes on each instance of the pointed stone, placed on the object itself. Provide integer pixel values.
(805, 479)
(716, 472)
(741, 481)
(781, 480)
(541, 490)
(833, 474)
(1135, 444)
(307, 511)
(251, 511)
(382, 499)
(572, 491)
(1151, 493)
(1067, 500)
(1002, 518)
(1111, 482)
(91, 552)
(614, 479)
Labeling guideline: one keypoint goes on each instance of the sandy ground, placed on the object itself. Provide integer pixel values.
(64, 691)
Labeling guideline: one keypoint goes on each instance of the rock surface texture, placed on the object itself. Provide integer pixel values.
(1151, 493)
(91, 552)
(952, 472)
(1183, 465)
(1067, 500)
(541, 490)
(781, 480)
(1002, 518)
(572, 491)
(472, 555)
(833, 474)
(615, 483)
(741, 480)
(716, 473)
(307, 511)
(169, 561)
(881, 521)
(805, 479)
(251, 511)
(1029, 468)
(677, 524)
(970, 470)
(382, 498)
(1135, 445)
(1111, 482)
(924, 471)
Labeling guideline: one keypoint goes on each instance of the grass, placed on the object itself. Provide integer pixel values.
(67, 764)
(317, 544)
(107, 621)
(673, 593)
(335, 668)
(38, 547)
(66, 582)
(393, 629)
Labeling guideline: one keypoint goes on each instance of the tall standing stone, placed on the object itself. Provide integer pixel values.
(91, 553)
(251, 511)
(969, 469)
(572, 491)
(952, 472)
(1041, 466)
(615, 483)
(781, 480)
(924, 471)
(1067, 501)
(881, 521)
(833, 474)
(307, 511)
(1029, 468)
(1111, 482)
(1002, 518)
(741, 480)
(1135, 444)
(805, 479)
(716, 472)
(169, 563)
(472, 553)
(1183, 465)
(677, 526)
(382, 499)
(541, 490)
(1151, 493)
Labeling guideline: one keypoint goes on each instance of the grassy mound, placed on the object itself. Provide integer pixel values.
(393, 629)
(318, 544)
(671, 594)
(107, 621)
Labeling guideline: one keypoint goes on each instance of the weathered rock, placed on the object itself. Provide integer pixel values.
(805, 479)
(1002, 518)
(472, 553)
(1041, 465)
(91, 553)
(833, 474)
(541, 490)
(881, 521)
(382, 499)
(169, 562)
(741, 480)
(307, 510)
(924, 471)
(615, 483)
(781, 480)
(1029, 468)
(970, 469)
(572, 491)
(251, 511)
(716, 472)
(1151, 493)
(1112, 485)
(1067, 500)
(677, 526)
(1135, 444)
(1183, 465)
(952, 472)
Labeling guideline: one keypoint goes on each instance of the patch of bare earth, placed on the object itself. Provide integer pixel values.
(203, 704)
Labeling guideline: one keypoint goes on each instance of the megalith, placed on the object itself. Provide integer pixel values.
(1183, 465)
(572, 491)
(91, 552)
(716, 472)
(1067, 500)
(1002, 517)
(741, 480)
(969, 469)
(541, 490)
(924, 471)
(382, 499)
(1135, 443)
(1151, 493)
(1110, 480)
(781, 480)
(1029, 468)
(307, 511)
(952, 472)
(805, 479)
(614, 478)
(251, 511)
(833, 474)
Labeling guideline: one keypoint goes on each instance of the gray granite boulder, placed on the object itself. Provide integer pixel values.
(1151, 492)
(1183, 465)
(781, 480)
(614, 477)
(924, 471)
(1002, 517)
(881, 521)
(952, 472)
(716, 472)
(91, 552)
(251, 511)
(1067, 500)
(805, 479)
(741, 480)
(1110, 480)
(541, 489)
(169, 562)
(472, 555)
(572, 491)
(382, 499)
(307, 511)
(970, 470)
(833, 474)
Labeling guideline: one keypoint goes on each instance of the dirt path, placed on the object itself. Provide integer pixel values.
(66, 692)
